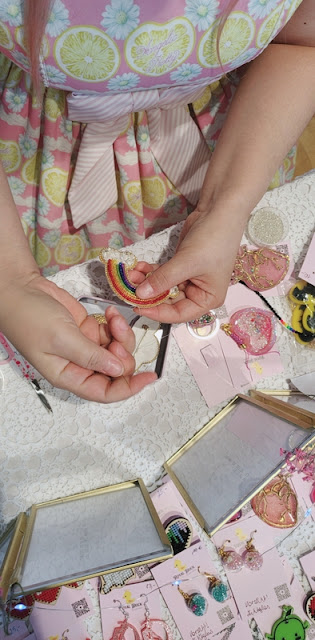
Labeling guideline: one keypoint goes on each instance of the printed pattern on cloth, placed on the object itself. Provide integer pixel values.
(126, 49)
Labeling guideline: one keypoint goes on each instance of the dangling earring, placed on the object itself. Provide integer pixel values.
(123, 626)
(217, 589)
(230, 558)
(251, 557)
(195, 602)
(147, 632)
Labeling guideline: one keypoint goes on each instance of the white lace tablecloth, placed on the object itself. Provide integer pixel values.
(84, 445)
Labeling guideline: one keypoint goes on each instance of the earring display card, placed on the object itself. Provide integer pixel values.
(308, 267)
(85, 535)
(308, 565)
(259, 594)
(132, 599)
(67, 609)
(231, 458)
(175, 516)
(220, 368)
(184, 570)
(17, 631)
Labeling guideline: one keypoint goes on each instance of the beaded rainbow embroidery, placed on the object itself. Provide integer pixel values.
(117, 266)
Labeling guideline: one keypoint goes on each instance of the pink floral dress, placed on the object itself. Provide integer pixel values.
(112, 152)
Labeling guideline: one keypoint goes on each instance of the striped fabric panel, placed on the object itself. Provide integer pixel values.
(176, 143)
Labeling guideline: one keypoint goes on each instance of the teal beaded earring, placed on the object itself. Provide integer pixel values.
(195, 602)
(217, 589)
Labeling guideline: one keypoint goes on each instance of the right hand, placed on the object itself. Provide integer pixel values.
(70, 349)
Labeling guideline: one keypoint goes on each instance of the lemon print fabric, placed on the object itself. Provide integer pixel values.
(87, 53)
(155, 49)
(54, 182)
(269, 27)
(10, 155)
(133, 196)
(237, 34)
(31, 169)
(153, 192)
(5, 37)
(39, 250)
(69, 250)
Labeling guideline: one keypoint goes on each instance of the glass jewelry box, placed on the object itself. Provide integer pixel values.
(235, 455)
(83, 536)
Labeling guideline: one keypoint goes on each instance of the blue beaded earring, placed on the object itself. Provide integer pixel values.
(217, 589)
(195, 602)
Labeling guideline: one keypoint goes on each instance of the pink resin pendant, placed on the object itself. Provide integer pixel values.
(253, 330)
(231, 559)
(252, 559)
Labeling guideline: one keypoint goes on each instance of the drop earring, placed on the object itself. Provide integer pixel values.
(217, 589)
(147, 632)
(230, 558)
(195, 602)
(252, 559)
(123, 626)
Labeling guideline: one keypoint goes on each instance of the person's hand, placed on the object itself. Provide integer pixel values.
(201, 267)
(69, 348)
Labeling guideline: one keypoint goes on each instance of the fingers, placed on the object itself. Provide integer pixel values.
(71, 345)
(182, 311)
(100, 388)
(120, 329)
(168, 275)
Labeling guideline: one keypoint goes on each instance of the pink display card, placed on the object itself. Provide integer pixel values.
(307, 271)
(132, 597)
(66, 616)
(175, 516)
(184, 568)
(17, 630)
(221, 369)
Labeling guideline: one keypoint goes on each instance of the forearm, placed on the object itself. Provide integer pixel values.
(272, 106)
(16, 258)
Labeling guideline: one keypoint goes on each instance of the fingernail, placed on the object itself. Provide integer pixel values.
(122, 324)
(145, 290)
(114, 368)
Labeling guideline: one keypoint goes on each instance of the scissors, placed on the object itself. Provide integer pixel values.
(24, 368)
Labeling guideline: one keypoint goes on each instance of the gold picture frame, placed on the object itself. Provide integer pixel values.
(15, 561)
(185, 487)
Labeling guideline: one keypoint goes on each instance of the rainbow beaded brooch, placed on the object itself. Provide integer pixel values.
(117, 266)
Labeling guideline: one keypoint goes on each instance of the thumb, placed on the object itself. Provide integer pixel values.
(168, 275)
(78, 349)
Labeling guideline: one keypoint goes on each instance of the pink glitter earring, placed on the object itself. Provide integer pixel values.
(252, 559)
(253, 330)
(230, 558)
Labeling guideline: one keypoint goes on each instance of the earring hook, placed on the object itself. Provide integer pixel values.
(122, 609)
(145, 604)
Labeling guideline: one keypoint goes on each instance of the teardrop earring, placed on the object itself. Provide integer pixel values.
(217, 589)
(195, 602)
(252, 559)
(230, 558)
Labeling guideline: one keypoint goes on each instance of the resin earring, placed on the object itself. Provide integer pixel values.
(123, 626)
(230, 558)
(195, 602)
(252, 559)
(253, 330)
(217, 589)
(147, 632)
